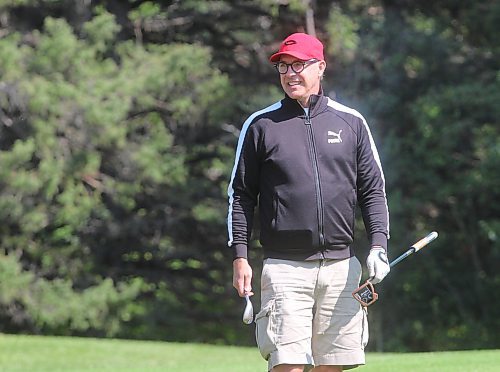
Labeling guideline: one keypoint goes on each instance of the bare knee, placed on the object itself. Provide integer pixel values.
(288, 368)
(327, 369)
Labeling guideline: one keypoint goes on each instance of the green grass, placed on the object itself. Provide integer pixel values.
(54, 354)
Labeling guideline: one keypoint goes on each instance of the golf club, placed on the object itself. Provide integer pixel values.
(366, 294)
(248, 312)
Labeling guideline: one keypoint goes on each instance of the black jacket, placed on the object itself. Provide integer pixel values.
(306, 173)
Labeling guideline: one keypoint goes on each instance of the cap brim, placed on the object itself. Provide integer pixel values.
(302, 56)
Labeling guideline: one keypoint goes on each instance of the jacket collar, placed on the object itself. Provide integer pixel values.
(317, 104)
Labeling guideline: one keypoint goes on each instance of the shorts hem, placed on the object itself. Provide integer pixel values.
(283, 357)
(347, 360)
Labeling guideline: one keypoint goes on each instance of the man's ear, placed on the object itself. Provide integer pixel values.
(322, 68)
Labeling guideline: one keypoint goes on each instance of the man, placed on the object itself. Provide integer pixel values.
(307, 161)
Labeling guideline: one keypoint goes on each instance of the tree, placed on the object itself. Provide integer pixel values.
(96, 138)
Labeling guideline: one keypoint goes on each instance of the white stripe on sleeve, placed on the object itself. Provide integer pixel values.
(340, 107)
(230, 190)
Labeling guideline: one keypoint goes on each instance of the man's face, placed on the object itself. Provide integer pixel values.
(300, 85)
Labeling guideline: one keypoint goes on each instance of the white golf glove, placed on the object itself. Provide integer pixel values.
(378, 265)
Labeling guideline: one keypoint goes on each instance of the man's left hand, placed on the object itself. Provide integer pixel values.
(378, 265)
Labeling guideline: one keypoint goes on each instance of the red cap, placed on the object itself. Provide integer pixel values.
(301, 46)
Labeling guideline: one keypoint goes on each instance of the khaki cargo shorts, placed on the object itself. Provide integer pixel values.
(308, 315)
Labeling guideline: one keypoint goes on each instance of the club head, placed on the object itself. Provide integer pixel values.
(248, 313)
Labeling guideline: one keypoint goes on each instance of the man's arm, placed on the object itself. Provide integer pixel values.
(373, 204)
(243, 193)
(371, 190)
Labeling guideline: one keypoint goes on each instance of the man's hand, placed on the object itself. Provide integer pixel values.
(378, 265)
(242, 277)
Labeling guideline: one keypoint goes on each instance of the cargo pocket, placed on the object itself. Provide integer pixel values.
(364, 331)
(264, 330)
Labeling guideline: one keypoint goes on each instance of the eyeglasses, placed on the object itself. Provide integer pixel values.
(297, 66)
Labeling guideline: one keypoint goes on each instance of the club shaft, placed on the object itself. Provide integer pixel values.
(402, 257)
(415, 247)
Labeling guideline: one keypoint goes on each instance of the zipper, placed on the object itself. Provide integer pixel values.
(314, 161)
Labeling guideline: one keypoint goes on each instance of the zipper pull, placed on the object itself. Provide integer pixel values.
(307, 115)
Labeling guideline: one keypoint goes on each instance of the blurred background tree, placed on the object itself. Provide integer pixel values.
(118, 123)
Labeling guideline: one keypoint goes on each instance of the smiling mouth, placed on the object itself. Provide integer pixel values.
(293, 83)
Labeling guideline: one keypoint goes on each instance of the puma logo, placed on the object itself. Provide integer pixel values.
(335, 137)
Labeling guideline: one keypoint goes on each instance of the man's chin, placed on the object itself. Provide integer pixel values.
(295, 95)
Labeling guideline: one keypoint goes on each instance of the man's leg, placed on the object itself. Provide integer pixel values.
(327, 369)
(299, 368)
(339, 322)
(284, 323)
(288, 368)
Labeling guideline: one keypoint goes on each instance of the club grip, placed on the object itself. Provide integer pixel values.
(424, 241)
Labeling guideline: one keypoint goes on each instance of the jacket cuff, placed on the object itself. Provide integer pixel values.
(240, 251)
(379, 239)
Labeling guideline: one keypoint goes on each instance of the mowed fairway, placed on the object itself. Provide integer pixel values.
(33, 354)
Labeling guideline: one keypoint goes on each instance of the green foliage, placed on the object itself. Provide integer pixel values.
(343, 35)
(298, 6)
(99, 170)
(145, 10)
(101, 31)
(55, 306)
(6, 3)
